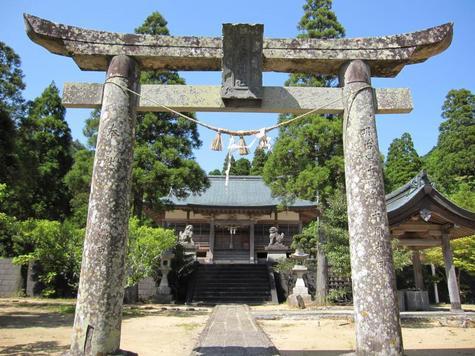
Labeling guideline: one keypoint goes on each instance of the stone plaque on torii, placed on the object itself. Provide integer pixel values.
(242, 54)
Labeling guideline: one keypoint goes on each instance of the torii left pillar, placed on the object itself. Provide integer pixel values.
(98, 319)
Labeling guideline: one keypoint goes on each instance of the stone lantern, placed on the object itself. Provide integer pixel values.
(300, 291)
(164, 291)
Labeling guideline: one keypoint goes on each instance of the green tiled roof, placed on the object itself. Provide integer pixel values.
(420, 194)
(241, 192)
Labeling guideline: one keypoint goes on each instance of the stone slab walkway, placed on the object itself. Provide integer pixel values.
(433, 315)
(232, 331)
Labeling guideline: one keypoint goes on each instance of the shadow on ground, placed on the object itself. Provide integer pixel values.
(428, 352)
(25, 320)
(34, 348)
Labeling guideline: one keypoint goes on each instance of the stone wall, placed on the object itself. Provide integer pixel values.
(10, 278)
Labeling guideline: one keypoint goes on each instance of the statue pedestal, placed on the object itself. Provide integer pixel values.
(164, 294)
(300, 291)
(417, 300)
(189, 249)
(276, 252)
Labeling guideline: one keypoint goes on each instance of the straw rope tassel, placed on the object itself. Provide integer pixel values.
(263, 142)
(217, 144)
(243, 150)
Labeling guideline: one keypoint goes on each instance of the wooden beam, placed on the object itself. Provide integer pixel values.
(190, 98)
(420, 242)
(417, 227)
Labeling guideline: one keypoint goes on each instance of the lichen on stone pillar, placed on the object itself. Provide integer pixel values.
(97, 323)
(377, 324)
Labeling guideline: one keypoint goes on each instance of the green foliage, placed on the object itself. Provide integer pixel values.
(8, 225)
(403, 162)
(242, 167)
(11, 108)
(11, 82)
(335, 236)
(308, 155)
(318, 21)
(451, 162)
(258, 162)
(464, 197)
(401, 256)
(225, 164)
(78, 181)
(8, 156)
(56, 248)
(44, 142)
(306, 159)
(284, 266)
(215, 172)
(464, 257)
(91, 127)
(164, 143)
(154, 24)
(144, 248)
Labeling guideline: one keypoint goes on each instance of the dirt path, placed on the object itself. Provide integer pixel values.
(44, 328)
(332, 337)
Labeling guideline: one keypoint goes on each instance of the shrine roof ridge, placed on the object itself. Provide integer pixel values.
(419, 194)
(241, 192)
(92, 49)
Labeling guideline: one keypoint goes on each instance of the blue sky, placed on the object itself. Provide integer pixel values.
(429, 81)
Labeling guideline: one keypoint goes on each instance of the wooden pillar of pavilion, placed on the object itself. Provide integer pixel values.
(251, 243)
(452, 285)
(417, 266)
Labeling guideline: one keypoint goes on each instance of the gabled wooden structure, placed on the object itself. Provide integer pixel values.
(421, 217)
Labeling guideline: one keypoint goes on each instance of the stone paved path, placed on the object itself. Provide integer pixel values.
(231, 330)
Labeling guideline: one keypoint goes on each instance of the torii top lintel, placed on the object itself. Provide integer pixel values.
(92, 50)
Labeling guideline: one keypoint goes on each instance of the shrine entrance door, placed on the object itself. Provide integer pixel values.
(231, 243)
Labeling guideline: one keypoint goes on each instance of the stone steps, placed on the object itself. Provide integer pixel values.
(232, 283)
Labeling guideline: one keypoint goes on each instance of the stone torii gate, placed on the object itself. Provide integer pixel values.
(242, 54)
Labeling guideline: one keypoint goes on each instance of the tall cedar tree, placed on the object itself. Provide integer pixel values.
(164, 142)
(240, 167)
(402, 163)
(258, 162)
(307, 159)
(308, 156)
(44, 147)
(450, 163)
(11, 107)
(78, 181)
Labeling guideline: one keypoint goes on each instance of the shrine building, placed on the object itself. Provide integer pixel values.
(231, 221)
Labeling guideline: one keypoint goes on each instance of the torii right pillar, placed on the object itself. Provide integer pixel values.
(378, 329)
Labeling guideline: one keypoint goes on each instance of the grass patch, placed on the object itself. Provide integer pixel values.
(189, 326)
(417, 324)
(66, 309)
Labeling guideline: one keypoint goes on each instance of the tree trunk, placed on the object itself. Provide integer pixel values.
(138, 204)
(321, 280)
